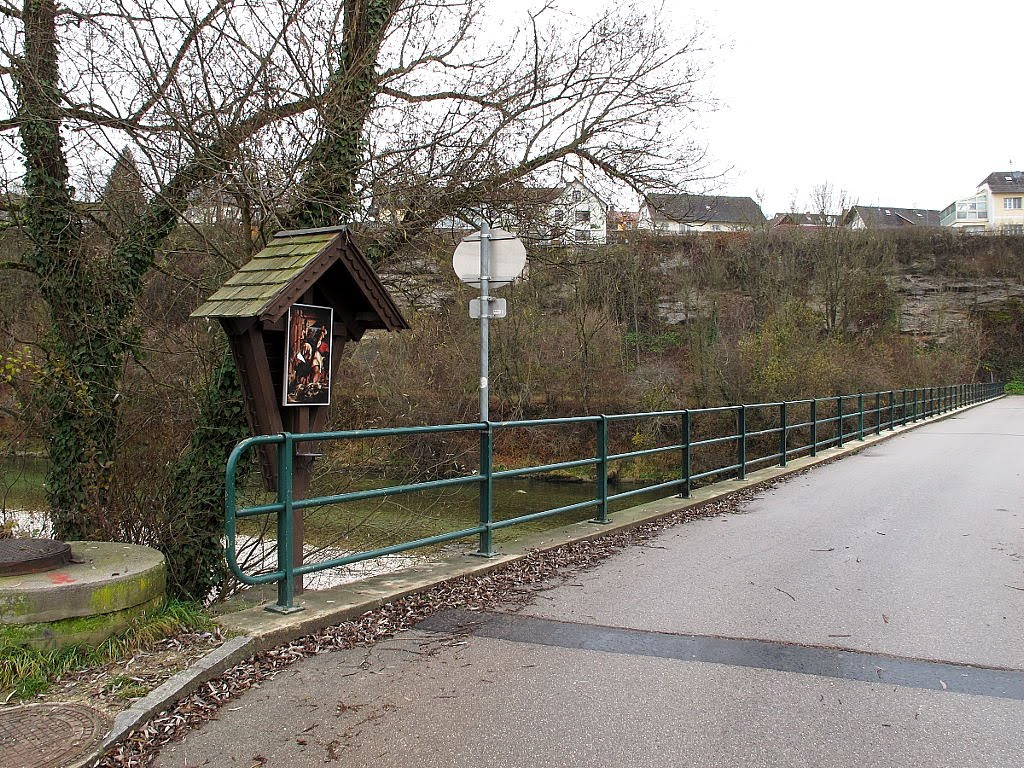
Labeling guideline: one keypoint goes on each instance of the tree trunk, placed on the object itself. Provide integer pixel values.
(328, 187)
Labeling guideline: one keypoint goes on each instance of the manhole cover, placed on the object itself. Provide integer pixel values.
(18, 556)
(48, 735)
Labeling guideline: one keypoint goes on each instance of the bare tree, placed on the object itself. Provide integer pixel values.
(834, 255)
(299, 110)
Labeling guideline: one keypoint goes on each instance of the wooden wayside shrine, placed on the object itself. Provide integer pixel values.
(322, 272)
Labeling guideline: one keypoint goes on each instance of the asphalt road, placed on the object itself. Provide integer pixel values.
(879, 601)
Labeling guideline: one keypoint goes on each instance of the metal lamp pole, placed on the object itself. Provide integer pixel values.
(485, 298)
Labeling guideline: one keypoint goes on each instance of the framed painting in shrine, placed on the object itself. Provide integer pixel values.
(307, 369)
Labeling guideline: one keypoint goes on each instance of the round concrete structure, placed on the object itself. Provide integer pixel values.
(86, 601)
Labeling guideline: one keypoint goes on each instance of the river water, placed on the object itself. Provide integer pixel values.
(357, 526)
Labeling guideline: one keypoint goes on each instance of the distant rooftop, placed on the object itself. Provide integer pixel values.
(704, 208)
(885, 217)
(1004, 181)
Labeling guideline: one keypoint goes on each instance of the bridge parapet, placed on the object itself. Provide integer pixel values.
(761, 434)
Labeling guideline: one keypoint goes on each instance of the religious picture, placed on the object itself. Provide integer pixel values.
(307, 371)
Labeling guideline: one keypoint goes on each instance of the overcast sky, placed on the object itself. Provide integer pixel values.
(899, 103)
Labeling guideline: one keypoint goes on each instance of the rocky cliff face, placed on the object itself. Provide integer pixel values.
(932, 305)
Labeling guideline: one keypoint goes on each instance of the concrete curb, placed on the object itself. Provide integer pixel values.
(171, 692)
(261, 630)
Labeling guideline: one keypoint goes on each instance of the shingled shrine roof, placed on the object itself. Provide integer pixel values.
(291, 264)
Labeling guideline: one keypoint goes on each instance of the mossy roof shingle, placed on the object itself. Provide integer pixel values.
(249, 291)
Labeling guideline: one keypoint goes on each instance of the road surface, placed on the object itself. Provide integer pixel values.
(865, 613)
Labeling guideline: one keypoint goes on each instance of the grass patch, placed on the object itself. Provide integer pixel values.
(1014, 387)
(26, 671)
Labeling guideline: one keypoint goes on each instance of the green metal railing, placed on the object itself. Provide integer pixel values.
(843, 418)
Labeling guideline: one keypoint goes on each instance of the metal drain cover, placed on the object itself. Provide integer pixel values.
(19, 556)
(48, 735)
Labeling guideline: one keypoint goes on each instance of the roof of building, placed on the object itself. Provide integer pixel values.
(1004, 181)
(887, 217)
(794, 219)
(291, 264)
(704, 208)
(547, 195)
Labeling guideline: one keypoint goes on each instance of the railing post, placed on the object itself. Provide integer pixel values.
(814, 426)
(685, 430)
(878, 413)
(839, 421)
(783, 434)
(741, 443)
(602, 471)
(860, 415)
(486, 545)
(285, 563)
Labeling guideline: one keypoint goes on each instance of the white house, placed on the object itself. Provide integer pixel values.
(677, 214)
(570, 214)
(575, 215)
(997, 206)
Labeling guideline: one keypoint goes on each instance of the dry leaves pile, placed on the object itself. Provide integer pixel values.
(506, 587)
(109, 687)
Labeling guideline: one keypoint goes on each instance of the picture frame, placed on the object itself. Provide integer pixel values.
(307, 356)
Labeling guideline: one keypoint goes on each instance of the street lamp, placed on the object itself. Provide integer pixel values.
(488, 259)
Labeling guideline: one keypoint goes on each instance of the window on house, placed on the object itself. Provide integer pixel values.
(576, 196)
(1013, 229)
(582, 234)
(1012, 202)
(582, 217)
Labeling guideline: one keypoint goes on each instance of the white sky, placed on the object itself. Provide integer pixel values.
(903, 103)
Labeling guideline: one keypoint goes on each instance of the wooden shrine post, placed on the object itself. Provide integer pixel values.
(288, 314)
